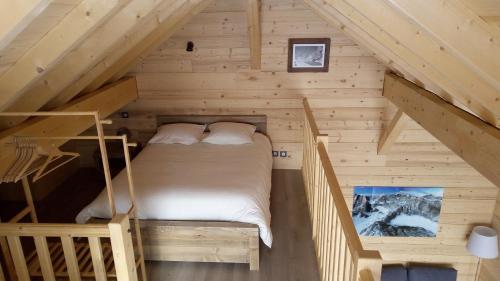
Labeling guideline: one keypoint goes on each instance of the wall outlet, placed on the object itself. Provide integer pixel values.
(124, 114)
(275, 153)
(283, 154)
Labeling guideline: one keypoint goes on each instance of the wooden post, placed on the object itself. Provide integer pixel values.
(29, 199)
(123, 250)
(254, 252)
(254, 33)
(9, 264)
(137, 226)
(368, 263)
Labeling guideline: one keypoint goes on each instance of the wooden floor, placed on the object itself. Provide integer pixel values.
(291, 258)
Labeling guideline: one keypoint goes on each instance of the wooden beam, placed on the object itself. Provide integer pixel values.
(380, 51)
(117, 66)
(15, 16)
(406, 44)
(82, 58)
(254, 33)
(475, 141)
(460, 30)
(392, 132)
(74, 27)
(105, 101)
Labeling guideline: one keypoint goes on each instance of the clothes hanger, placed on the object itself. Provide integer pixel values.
(54, 155)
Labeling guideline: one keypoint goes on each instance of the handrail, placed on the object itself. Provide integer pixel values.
(54, 229)
(343, 211)
(339, 250)
(40, 260)
(310, 119)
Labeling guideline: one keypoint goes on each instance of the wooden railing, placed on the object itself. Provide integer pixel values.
(340, 254)
(60, 252)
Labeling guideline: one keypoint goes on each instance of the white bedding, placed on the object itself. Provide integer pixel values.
(197, 182)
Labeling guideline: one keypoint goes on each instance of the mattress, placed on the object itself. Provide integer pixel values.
(196, 182)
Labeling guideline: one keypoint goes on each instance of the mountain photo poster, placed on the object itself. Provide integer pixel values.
(397, 211)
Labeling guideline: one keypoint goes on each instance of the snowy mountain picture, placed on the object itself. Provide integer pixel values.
(397, 211)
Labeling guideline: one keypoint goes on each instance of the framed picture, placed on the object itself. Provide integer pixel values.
(308, 54)
(397, 211)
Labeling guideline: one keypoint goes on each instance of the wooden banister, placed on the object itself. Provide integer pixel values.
(339, 201)
(339, 250)
(312, 123)
(73, 254)
(54, 230)
(123, 249)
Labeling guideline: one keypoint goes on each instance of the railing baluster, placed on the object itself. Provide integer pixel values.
(339, 251)
(70, 257)
(342, 254)
(16, 250)
(42, 250)
(2, 276)
(97, 258)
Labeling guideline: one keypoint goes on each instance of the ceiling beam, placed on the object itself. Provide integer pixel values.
(392, 132)
(69, 32)
(475, 141)
(169, 21)
(15, 16)
(404, 43)
(460, 30)
(106, 101)
(380, 49)
(170, 17)
(82, 58)
(254, 33)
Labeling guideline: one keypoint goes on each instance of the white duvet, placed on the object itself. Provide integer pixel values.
(197, 182)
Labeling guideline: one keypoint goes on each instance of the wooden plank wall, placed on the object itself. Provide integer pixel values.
(490, 271)
(216, 77)
(347, 102)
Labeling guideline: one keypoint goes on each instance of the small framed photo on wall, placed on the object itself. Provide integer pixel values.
(308, 54)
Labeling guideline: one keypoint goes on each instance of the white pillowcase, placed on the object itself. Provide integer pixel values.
(183, 133)
(230, 133)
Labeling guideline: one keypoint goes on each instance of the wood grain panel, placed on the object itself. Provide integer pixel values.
(347, 103)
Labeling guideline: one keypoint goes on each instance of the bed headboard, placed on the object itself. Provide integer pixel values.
(260, 121)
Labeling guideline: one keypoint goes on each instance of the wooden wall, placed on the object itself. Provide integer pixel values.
(490, 271)
(347, 102)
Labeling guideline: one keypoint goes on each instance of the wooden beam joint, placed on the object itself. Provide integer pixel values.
(471, 138)
(392, 132)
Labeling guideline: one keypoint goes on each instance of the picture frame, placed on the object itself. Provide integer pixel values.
(308, 54)
(397, 210)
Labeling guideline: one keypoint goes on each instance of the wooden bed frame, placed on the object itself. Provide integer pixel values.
(203, 241)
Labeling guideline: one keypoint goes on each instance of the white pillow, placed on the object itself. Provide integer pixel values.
(183, 133)
(230, 133)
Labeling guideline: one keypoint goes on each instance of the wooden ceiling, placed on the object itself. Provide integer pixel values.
(54, 50)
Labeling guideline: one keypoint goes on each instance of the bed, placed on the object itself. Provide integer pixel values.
(199, 202)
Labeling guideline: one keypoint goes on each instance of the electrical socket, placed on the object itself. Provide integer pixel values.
(275, 153)
(283, 154)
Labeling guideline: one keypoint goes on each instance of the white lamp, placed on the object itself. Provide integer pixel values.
(483, 243)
